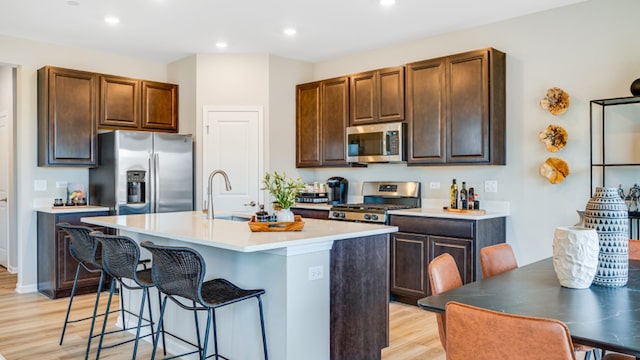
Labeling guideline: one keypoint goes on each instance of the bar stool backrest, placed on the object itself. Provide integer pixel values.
(120, 255)
(82, 246)
(177, 270)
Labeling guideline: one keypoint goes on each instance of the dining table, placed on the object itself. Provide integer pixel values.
(604, 317)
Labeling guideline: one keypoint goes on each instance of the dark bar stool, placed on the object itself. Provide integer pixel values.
(179, 273)
(120, 260)
(83, 248)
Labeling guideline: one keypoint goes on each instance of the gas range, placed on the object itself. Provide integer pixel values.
(379, 198)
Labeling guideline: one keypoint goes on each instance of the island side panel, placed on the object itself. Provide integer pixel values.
(359, 297)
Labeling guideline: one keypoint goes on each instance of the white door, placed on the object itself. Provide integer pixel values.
(233, 142)
(4, 185)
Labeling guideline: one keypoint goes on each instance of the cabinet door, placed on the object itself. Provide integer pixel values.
(409, 262)
(426, 112)
(335, 119)
(390, 96)
(308, 125)
(67, 110)
(377, 96)
(311, 213)
(159, 106)
(460, 249)
(119, 102)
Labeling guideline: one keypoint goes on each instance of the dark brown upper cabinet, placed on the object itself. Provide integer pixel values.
(159, 106)
(377, 96)
(119, 102)
(67, 110)
(322, 115)
(456, 109)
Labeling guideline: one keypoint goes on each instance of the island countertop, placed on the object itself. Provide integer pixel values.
(194, 227)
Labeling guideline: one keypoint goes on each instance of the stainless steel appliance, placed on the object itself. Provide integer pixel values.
(143, 172)
(337, 190)
(378, 198)
(376, 143)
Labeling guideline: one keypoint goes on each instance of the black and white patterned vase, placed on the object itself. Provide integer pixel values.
(607, 213)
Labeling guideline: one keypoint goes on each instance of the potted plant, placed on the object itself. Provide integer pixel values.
(284, 190)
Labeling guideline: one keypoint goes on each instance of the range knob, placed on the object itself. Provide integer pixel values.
(336, 214)
(374, 217)
(367, 217)
(342, 215)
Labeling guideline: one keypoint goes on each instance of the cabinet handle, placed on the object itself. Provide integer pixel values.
(251, 203)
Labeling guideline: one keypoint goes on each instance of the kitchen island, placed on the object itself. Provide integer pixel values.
(326, 286)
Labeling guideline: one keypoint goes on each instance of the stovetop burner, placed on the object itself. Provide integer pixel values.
(379, 198)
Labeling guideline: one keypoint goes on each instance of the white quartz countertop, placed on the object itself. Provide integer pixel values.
(312, 206)
(70, 209)
(193, 227)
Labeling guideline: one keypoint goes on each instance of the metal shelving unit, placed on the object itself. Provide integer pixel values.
(602, 166)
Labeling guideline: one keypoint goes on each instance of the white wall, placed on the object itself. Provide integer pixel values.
(589, 49)
(29, 56)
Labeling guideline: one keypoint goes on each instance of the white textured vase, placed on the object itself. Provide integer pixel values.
(285, 215)
(607, 213)
(575, 256)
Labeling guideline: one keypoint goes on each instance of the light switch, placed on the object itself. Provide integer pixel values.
(39, 185)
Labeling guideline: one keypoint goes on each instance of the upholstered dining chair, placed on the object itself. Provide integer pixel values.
(634, 249)
(443, 276)
(499, 258)
(496, 259)
(481, 334)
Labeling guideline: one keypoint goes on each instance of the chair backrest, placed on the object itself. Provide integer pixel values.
(82, 246)
(481, 334)
(443, 276)
(634, 249)
(177, 270)
(496, 259)
(120, 255)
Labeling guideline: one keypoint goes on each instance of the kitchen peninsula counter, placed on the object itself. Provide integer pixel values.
(326, 286)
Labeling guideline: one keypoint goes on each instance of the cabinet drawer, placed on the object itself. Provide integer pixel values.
(435, 226)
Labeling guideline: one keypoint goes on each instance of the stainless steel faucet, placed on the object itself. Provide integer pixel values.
(210, 193)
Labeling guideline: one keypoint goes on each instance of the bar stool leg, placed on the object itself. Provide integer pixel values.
(195, 317)
(106, 316)
(264, 336)
(73, 292)
(160, 325)
(206, 336)
(145, 294)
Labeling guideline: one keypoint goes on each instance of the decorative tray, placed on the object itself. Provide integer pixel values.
(257, 226)
(466, 211)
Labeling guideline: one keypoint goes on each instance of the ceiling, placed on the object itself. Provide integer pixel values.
(167, 30)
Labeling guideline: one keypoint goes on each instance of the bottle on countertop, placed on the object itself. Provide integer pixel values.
(476, 202)
(453, 196)
(470, 198)
(463, 196)
(261, 215)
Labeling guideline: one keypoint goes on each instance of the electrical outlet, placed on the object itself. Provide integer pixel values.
(316, 272)
(39, 185)
(491, 186)
(61, 184)
(434, 185)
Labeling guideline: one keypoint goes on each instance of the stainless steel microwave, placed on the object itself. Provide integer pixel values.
(376, 143)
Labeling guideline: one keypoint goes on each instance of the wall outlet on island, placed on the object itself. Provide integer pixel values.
(316, 272)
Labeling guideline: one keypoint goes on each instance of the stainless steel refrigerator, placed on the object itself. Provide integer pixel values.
(143, 172)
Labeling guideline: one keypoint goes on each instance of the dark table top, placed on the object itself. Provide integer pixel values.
(607, 318)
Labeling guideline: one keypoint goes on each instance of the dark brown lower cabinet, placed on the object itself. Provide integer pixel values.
(311, 213)
(56, 267)
(421, 239)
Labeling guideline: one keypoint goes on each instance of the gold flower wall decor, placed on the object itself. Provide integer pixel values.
(554, 169)
(554, 137)
(556, 101)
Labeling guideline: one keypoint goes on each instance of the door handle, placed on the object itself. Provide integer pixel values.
(5, 200)
(251, 203)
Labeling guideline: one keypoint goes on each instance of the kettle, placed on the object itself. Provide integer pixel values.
(337, 189)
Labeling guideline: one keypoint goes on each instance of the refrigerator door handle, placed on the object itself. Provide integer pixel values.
(156, 181)
(152, 191)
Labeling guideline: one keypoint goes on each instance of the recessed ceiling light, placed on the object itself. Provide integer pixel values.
(387, 2)
(289, 31)
(73, 3)
(221, 45)
(111, 20)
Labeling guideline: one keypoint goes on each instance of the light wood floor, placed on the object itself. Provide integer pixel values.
(30, 326)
